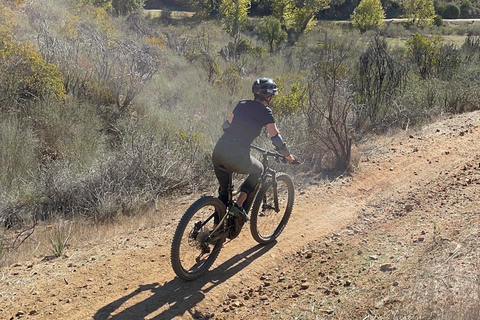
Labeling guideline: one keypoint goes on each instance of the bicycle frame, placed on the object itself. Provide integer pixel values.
(195, 246)
(267, 173)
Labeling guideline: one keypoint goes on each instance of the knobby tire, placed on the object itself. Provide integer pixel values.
(266, 224)
(188, 253)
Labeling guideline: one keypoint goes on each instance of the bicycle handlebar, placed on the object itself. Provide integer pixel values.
(274, 154)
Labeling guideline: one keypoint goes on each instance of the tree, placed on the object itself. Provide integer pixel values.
(234, 18)
(368, 15)
(124, 7)
(419, 11)
(451, 12)
(206, 7)
(298, 15)
(119, 7)
(271, 31)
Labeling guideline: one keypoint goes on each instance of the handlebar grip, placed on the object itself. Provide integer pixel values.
(284, 160)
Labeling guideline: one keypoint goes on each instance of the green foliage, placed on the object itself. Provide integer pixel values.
(286, 104)
(205, 8)
(419, 11)
(26, 76)
(234, 15)
(124, 7)
(440, 8)
(465, 9)
(438, 21)
(270, 29)
(234, 19)
(119, 7)
(230, 78)
(368, 15)
(451, 11)
(59, 240)
(425, 54)
(298, 16)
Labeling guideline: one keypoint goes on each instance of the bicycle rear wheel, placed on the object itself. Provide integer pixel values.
(191, 255)
(266, 223)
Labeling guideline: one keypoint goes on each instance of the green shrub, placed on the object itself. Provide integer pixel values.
(424, 53)
(451, 11)
(438, 21)
(466, 8)
(440, 8)
(26, 76)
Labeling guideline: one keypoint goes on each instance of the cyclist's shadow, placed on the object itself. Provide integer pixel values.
(178, 295)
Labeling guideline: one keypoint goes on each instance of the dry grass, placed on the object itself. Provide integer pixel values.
(79, 236)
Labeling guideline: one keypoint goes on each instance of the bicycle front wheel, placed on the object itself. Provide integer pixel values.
(268, 220)
(191, 254)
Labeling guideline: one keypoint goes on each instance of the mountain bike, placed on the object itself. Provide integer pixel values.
(197, 243)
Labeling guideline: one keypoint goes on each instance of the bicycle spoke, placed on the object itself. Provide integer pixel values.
(192, 252)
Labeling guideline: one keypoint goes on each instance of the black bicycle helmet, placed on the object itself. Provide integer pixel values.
(264, 87)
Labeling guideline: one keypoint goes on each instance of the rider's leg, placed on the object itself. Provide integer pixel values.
(255, 170)
(223, 178)
(242, 196)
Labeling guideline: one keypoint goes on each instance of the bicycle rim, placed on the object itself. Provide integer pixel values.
(191, 256)
(267, 223)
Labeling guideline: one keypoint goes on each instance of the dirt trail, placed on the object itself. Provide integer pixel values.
(129, 276)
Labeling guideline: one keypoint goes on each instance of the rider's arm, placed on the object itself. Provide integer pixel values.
(278, 142)
(227, 123)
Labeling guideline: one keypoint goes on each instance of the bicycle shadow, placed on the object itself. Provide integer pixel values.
(179, 295)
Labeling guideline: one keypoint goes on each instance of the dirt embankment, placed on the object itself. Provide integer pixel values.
(397, 239)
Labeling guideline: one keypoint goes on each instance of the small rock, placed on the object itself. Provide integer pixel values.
(408, 207)
(237, 304)
(305, 285)
(387, 267)
(232, 296)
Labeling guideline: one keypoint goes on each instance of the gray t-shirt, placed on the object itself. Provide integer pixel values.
(249, 117)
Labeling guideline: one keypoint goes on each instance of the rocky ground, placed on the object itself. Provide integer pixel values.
(397, 239)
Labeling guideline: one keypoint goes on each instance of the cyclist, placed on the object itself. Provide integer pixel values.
(232, 150)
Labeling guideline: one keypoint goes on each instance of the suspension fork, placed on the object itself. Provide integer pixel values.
(275, 191)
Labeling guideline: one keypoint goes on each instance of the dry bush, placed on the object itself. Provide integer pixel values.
(329, 113)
